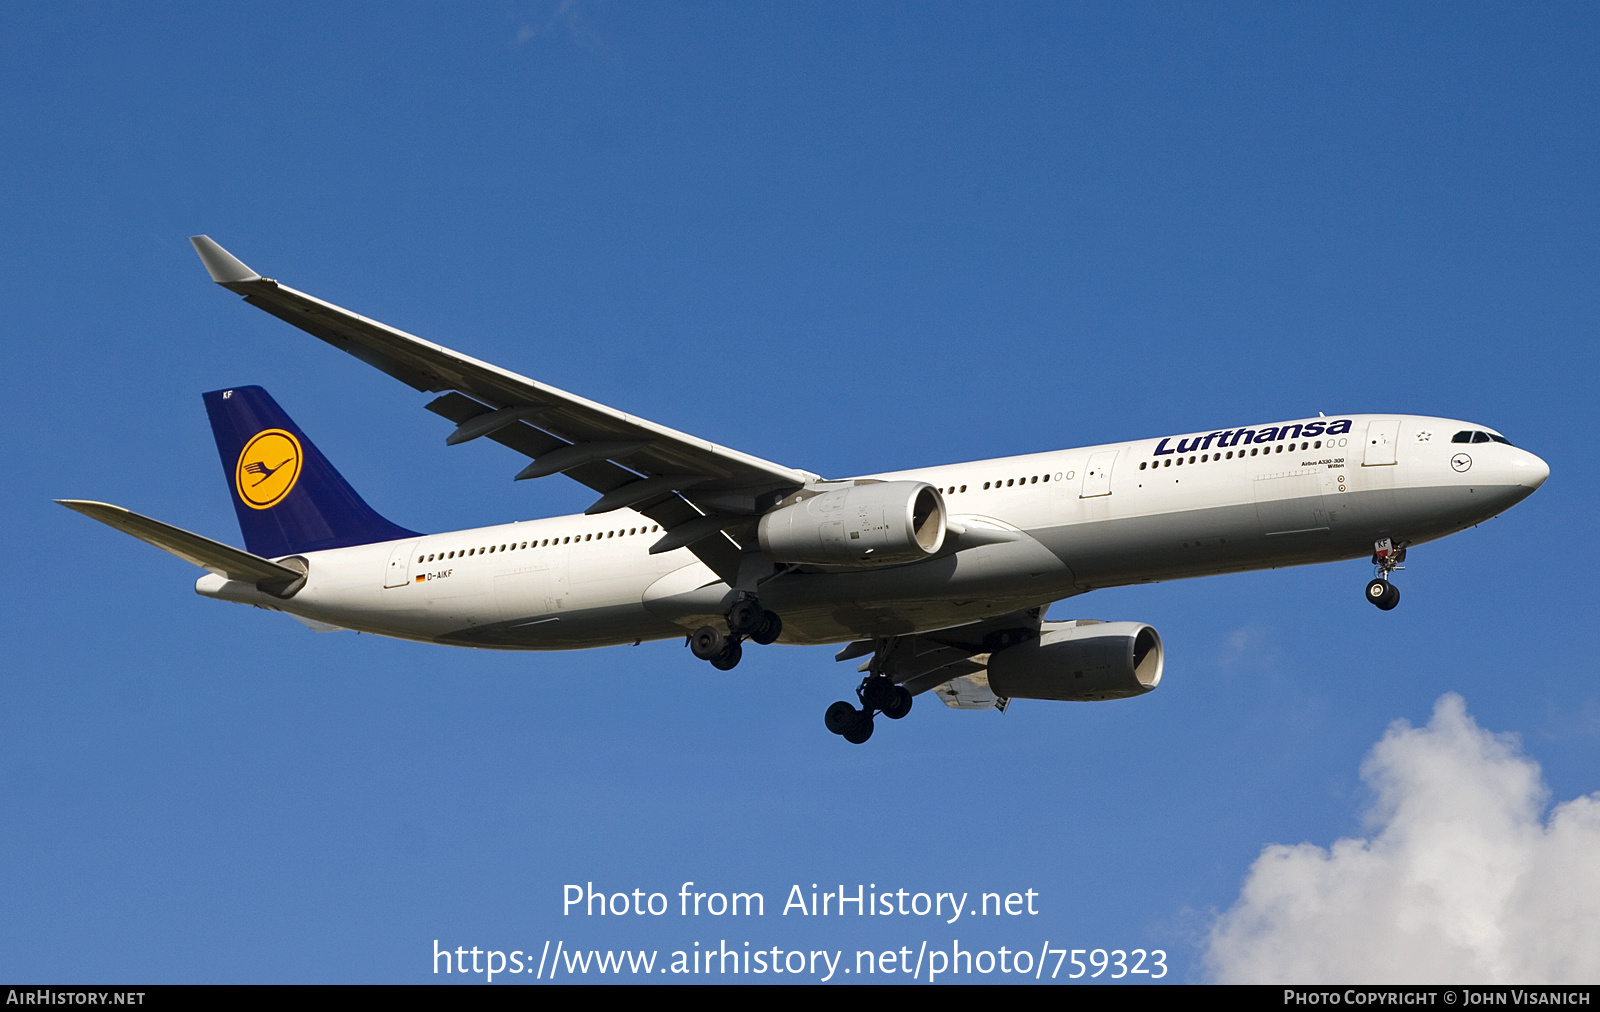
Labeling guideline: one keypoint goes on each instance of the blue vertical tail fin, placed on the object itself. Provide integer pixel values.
(288, 497)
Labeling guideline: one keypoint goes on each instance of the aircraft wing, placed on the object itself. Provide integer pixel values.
(224, 560)
(632, 462)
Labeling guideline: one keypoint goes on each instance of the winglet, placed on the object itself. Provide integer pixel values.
(224, 267)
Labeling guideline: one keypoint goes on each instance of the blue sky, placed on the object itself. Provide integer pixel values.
(845, 238)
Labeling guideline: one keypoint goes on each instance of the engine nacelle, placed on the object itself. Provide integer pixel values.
(1080, 661)
(878, 523)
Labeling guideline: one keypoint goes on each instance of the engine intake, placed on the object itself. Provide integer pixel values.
(1080, 661)
(879, 523)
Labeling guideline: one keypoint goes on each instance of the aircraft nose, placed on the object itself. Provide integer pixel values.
(1529, 470)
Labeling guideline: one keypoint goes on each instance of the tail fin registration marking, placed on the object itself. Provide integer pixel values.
(261, 484)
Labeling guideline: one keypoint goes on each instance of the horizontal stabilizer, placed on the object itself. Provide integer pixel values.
(224, 560)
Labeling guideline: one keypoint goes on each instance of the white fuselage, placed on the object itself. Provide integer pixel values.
(1076, 520)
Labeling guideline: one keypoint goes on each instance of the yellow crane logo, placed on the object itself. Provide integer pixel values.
(268, 467)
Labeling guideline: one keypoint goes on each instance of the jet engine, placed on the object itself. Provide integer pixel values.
(878, 523)
(1080, 661)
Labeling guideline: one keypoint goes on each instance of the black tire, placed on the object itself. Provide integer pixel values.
(745, 617)
(902, 703)
(728, 659)
(879, 693)
(1378, 592)
(1393, 598)
(769, 630)
(841, 717)
(706, 643)
(861, 730)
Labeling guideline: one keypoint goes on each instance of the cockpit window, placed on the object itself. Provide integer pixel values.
(1474, 436)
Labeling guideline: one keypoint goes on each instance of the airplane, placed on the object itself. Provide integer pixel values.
(938, 576)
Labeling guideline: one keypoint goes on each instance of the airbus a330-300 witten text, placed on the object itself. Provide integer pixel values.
(938, 576)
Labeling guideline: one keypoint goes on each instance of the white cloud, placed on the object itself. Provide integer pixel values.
(1461, 879)
(568, 15)
(1248, 647)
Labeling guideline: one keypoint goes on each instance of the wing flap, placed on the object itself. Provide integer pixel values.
(970, 692)
(668, 509)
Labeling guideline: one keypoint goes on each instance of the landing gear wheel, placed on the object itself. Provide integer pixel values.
(706, 643)
(861, 730)
(1383, 594)
(849, 723)
(745, 617)
(728, 659)
(878, 693)
(902, 703)
(841, 717)
(769, 630)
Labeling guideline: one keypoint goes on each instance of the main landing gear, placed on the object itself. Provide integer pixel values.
(745, 619)
(877, 693)
(1387, 558)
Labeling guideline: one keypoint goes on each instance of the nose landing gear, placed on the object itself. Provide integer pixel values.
(1383, 594)
(1387, 558)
